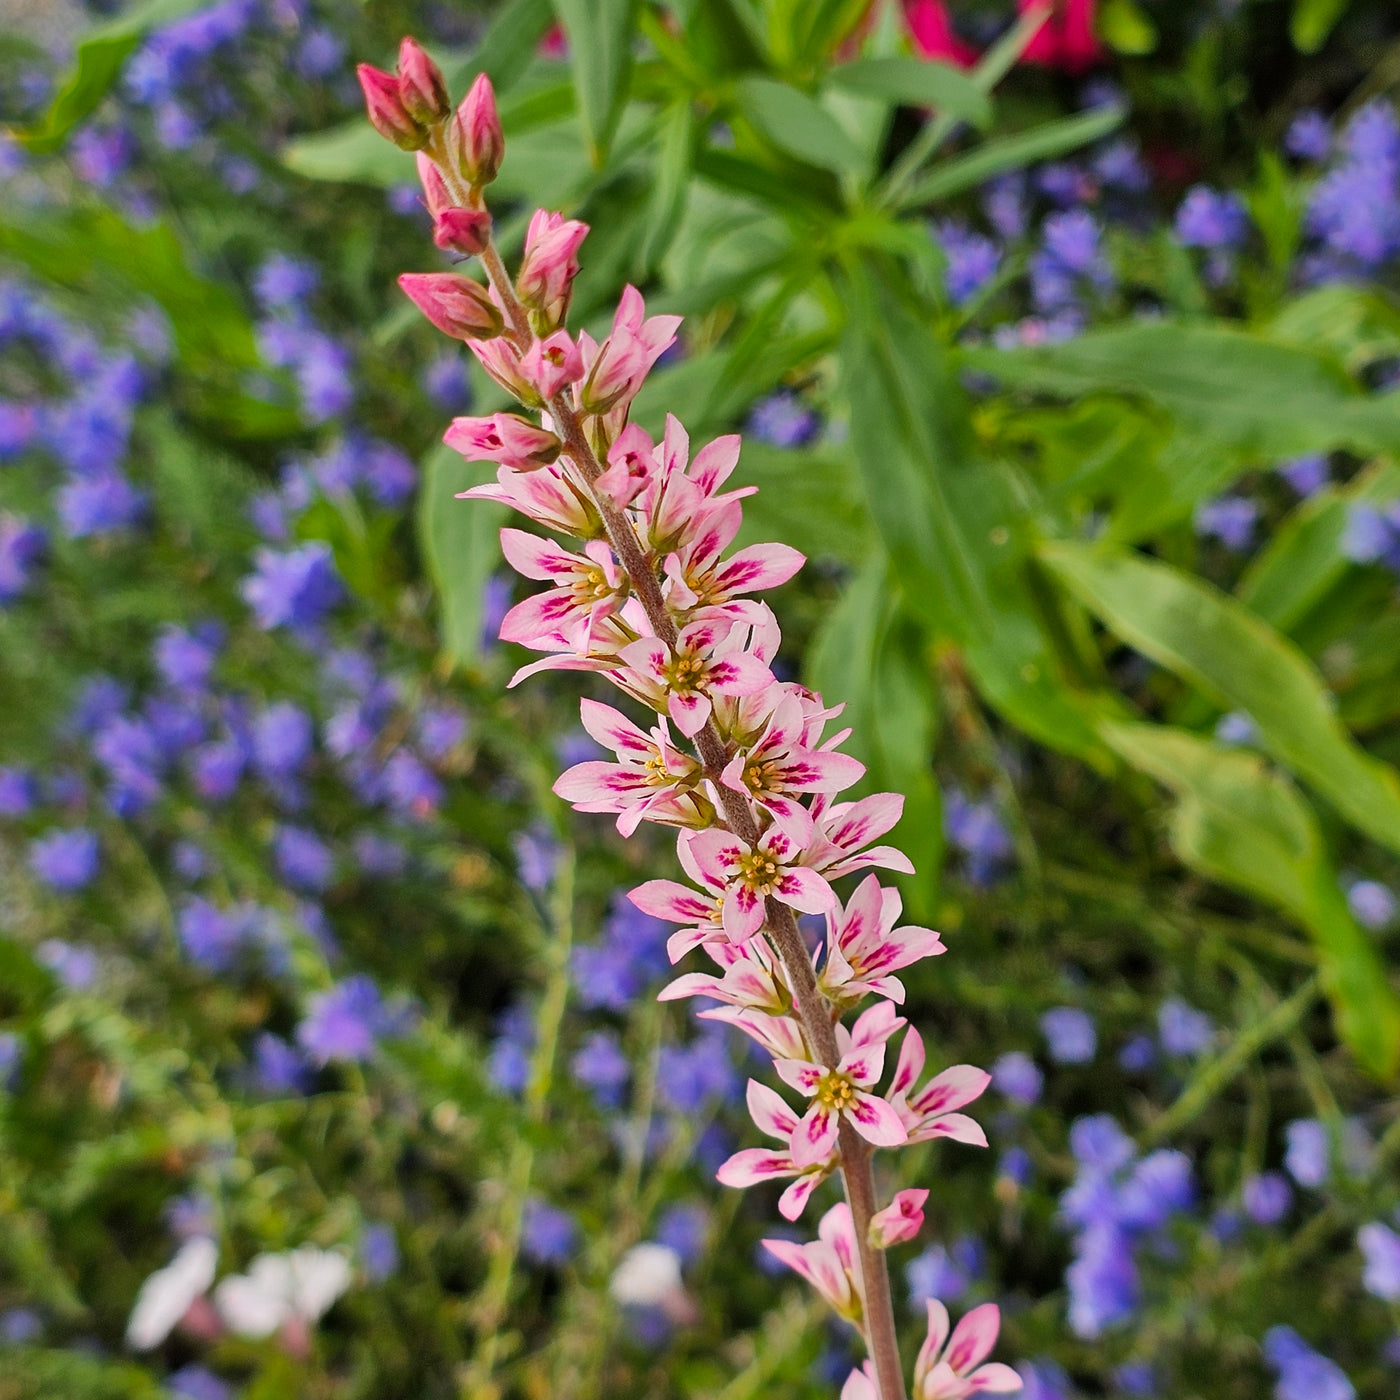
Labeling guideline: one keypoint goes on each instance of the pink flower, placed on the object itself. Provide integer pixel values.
(751, 978)
(476, 143)
(503, 438)
(954, 1373)
(864, 947)
(620, 364)
(552, 364)
(707, 660)
(756, 1164)
(631, 464)
(842, 829)
(462, 230)
(677, 499)
(652, 778)
(503, 362)
(750, 874)
(456, 305)
(547, 496)
(387, 112)
(421, 84)
(860, 1384)
(780, 1036)
(932, 32)
(828, 1263)
(778, 765)
(1066, 40)
(930, 1112)
(589, 587)
(901, 1220)
(843, 1090)
(700, 914)
(545, 282)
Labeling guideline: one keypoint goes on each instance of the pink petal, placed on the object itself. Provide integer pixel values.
(647, 655)
(811, 770)
(710, 857)
(804, 889)
(703, 636)
(864, 1066)
(665, 899)
(615, 731)
(597, 786)
(739, 673)
(754, 1165)
(973, 1338)
(876, 1121)
(536, 620)
(838, 1230)
(794, 1200)
(758, 567)
(802, 1075)
(859, 1386)
(535, 557)
(693, 984)
(876, 1026)
(742, 915)
(933, 1341)
(714, 462)
(955, 1087)
(690, 711)
(911, 1062)
(815, 1138)
(770, 1112)
(996, 1377)
(863, 821)
(957, 1126)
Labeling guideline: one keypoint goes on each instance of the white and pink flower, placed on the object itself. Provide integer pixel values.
(828, 1263)
(932, 1112)
(753, 1165)
(863, 946)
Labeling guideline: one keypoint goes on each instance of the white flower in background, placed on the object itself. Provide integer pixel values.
(170, 1292)
(298, 1286)
(649, 1276)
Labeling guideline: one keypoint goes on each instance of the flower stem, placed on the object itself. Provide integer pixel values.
(814, 1011)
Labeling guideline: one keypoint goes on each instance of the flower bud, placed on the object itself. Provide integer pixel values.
(456, 305)
(548, 269)
(421, 85)
(462, 230)
(387, 113)
(901, 1220)
(476, 144)
(435, 192)
(503, 438)
(552, 364)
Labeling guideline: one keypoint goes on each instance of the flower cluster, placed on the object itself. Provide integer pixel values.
(737, 760)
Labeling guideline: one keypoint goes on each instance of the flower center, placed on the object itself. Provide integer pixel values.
(686, 673)
(759, 872)
(835, 1092)
(758, 775)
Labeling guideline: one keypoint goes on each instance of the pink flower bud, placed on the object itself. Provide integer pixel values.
(462, 230)
(501, 360)
(387, 113)
(421, 85)
(901, 1220)
(477, 144)
(552, 364)
(625, 358)
(550, 265)
(435, 192)
(456, 305)
(503, 438)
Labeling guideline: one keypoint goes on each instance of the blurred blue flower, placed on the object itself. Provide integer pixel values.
(11, 1059)
(65, 860)
(693, 1077)
(684, 1229)
(945, 1273)
(783, 420)
(304, 861)
(537, 853)
(977, 830)
(19, 1326)
(1372, 904)
(548, 1235)
(1229, 519)
(72, 963)
(601, 1067)
(185, 657)
(99, 504)
(195, 1382)
(1380, 1246)
(211, 937)
(1306, 475)
(1267, 1198)
(1070, 1035)
(446, 382)
(283, 736)
(18, 792)
(1017, 1076)
(1303, 1374)
(346, 1022)
(293, 589)
(1308, 1156)
(22, 547)
(379, 1252)
(279, 1068)
(1182, 1029)
(972, 260)
(1309, 137)
(1208, 219)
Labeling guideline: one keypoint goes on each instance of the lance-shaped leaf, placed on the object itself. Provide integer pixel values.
(1216, 643)
(1239, 822)
(600, 46)
(798, 125)
(915, 82)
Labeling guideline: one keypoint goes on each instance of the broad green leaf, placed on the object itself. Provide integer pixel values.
(1269, 400)
(101, 54)
(1358, 325)
(1303, 559)
(460, 543)
(870, 655)
(1216, 643)
(600, 45)
(915, 82)
(798, 125)
(1312, 22)
(1123, 26)
(1239, 822)
(1045, 142)
(670, 184)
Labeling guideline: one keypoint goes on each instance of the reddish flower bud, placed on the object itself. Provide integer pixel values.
(547, 271)
(476, 144)
(552, 364)
(421, 85)
(435, 193)
(456, 305)
(503, 438)
(387, 114)
(462, 230)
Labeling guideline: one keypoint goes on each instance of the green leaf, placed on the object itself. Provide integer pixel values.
(1241, 823)
(1312, 22)
(1123, 26)
(870, 655)
(600, 44)
(810, 499)
(670, 184)
(33, 1373)
(917, 83)
(460, 541)
(799, 125)
(1303, 559)
(1358, 325)
(507, 49)
(1216, 643)
(1043, 142)
(101, 54)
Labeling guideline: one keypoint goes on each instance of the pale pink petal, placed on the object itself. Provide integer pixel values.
(816, 1136)
(665, 899)
(742, 914)
(876, 1025)
(694, 984)
(860, 1386)
(758, 567)
(647, 656)
(864, 1066)
(597, 786)
(615, 731)
(811, 770)
(565, 662)
(794, 1200)
(876, 1121)
(770, 1111)
(801, 1074)
(933, 1342)
(538, 620)
(754, 1165)
(738, 673)
(838, 1230)
(911, 1063)
(710, 857)
(996, 1378)
(690, 711)
(957, 1126)
(535, 557)
(973, 1338)
(955, 1087)
(804, 889)
(714, 462)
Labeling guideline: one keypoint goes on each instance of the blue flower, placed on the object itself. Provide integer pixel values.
(977, 830)
(282, 739)
(346, 1022)
(65, 860)
(22, 546)
(1016, 1075)
(537, 853)
(693, 1077)
(379, 1252)
(185, 658)
(18, 792)
(1381, 1247)
(74, 965)
(600, 1066)
(282, 282)
(1103, 1281)
(1303, 1374)
(1070, 1035)
(1308, 1155)
(944, 1273)
(972, 260)
(99, 504)
(1372, 904)
(1306, 475)
(1209, 219)
(447, 384)
(783, 420)
(279, 1068)
(128, 749)
(548, 1235)
(211, 937)
(304, 861)
(1309, 137)
(293, 589)
(1267, 1198)
(1182, 1029)
(198, 1383)
(684, 1229)
(1229, 519)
